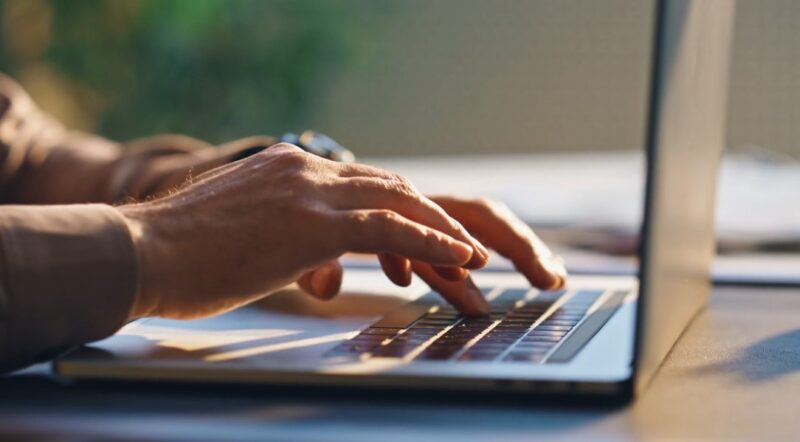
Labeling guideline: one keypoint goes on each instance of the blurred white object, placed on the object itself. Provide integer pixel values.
(758, 202)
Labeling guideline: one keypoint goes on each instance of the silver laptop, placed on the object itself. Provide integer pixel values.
(598, 336)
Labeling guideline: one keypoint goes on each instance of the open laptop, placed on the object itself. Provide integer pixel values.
(598, 336)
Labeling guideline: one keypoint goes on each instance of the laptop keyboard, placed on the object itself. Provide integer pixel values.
(523, 326)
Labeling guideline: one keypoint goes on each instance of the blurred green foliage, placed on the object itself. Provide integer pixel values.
(215, 69)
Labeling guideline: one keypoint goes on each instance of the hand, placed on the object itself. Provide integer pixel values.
(282, 215)
(172, 160)
(494, 225)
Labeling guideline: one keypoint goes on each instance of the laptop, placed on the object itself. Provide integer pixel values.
(598, 336)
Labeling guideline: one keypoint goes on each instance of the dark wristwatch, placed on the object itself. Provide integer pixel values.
(320, 144)
(311, 142)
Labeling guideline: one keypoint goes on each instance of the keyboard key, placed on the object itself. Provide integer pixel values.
(475, 322)
(443, 316)
(546, 327)
(489, 346)
(510, 296)
(549, 296)
(524, 357)
(437, 354)
(478, 356)
(534, 307)
(385, 331)
(425, 333)
(517, 320)
(438, 322)
(533, 346)
(513, 326)
(581, 311)
(395, 349)
(420, 325)
(535, 338)
(554, 333)
(559, 322)
(495, 332)
(408, 337)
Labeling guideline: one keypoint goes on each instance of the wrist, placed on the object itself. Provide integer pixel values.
(139, 221)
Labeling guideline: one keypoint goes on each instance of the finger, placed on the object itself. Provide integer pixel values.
(323, 282)
(396, 268)
(384, 231)
(352, 170)
(400, 196)
(451, 273)
(464, 295)
(501, 230)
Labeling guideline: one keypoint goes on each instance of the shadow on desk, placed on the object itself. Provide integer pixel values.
(764, 360)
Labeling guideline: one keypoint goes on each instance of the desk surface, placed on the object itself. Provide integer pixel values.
(734, 375)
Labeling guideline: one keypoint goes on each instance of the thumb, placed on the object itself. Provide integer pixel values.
(323, 282)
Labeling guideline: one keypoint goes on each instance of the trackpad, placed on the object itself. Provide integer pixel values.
(285, 329)
(347, 305)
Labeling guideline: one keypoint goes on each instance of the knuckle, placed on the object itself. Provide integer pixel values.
(384, 217)
(288, 154)
(294, 160)
(403, 189)
(401, 181)
(432, 240)
(360, 219)
(373, 219)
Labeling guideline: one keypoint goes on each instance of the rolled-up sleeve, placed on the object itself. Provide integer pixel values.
(68, 272)
(69, 276)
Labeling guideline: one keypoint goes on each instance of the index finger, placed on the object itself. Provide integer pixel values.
(465, 296)
(399, 195)
(501, 230)
(383, 231)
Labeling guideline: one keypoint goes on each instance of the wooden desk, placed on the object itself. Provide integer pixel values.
(734, 375)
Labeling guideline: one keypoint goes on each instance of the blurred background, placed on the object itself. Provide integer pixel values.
(550, 95)
(387, 78)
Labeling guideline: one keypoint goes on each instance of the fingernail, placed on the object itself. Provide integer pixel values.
(558, 263)
(460, 252)
(320, 280)
(479, 300)
(556, 267)
(481, 249)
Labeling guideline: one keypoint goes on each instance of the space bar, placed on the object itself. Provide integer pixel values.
(587, 329)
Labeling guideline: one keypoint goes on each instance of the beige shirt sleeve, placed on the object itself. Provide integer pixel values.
(68, 277)
(68, 271)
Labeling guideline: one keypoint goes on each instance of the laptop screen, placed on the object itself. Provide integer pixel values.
(685, 141)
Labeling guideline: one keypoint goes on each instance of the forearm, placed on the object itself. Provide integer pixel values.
(69, 276)
(43, 163)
